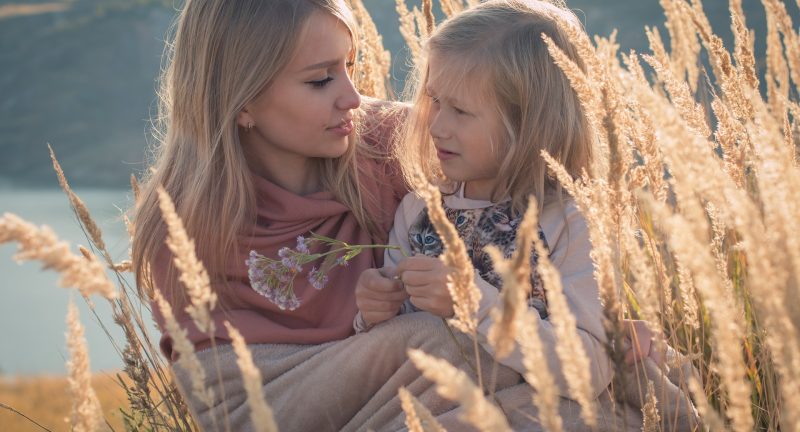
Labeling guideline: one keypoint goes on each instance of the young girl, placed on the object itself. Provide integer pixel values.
(489, 100)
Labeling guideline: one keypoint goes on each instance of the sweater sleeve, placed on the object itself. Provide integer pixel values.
(567, 236)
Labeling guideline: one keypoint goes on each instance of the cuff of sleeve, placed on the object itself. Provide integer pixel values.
(360, 325)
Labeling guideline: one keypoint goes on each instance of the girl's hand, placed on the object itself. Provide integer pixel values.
(378, 296)
(425, 280)
(641, 340)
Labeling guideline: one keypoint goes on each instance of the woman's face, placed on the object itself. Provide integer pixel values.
(306, 112)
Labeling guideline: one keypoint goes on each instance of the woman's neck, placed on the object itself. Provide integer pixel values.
(298, 175)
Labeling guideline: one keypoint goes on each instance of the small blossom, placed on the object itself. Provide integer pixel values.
(302, 245)
(342, 262)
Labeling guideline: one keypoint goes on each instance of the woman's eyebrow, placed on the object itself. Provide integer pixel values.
(321, 65)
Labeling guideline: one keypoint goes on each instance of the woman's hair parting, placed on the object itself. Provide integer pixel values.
(496, 49)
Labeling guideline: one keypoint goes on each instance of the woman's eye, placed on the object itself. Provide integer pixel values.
(320, 83)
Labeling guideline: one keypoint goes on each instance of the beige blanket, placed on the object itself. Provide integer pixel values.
(351, 385)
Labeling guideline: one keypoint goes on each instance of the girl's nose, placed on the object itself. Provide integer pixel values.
(437, 126)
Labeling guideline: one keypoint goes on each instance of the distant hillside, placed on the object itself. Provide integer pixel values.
(83, 78)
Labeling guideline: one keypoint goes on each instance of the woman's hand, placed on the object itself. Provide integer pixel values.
(425, 280)
(378, 296)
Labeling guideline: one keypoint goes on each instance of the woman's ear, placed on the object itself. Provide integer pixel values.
(245, 119)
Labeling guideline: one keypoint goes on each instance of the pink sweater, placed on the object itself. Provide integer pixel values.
(324, 315)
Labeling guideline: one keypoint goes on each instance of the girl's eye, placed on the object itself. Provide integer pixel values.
(459, 111)
(320, 83)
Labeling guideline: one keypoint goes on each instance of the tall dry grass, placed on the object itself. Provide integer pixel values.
(693, 213)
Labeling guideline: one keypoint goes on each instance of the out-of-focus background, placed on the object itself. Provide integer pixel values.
(81, 76)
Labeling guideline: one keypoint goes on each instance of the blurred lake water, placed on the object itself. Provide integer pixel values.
(33, 308)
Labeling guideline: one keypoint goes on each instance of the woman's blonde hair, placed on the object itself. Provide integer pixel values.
(496, 49)
(223, 54)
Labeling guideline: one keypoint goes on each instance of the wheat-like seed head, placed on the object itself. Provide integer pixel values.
(418, 418)
(85, 272)
(193, 273)
(454, 384)
(260, 412)
(86, 415)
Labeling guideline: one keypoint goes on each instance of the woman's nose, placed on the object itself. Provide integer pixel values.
(349, 99)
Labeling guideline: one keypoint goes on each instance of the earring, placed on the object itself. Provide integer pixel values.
(249, 126)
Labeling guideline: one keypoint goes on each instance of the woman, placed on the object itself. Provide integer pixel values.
(258, 147)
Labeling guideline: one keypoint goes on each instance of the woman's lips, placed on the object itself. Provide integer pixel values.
(445, 155)
(344, 128)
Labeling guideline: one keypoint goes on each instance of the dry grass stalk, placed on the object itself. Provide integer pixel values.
(95, 234)
(260, 412)
(744, 40)
(409, 30)
(455, 385)
(86, 273)
(430, 21)
(730, 81)
(687, 242)
(790, 37)
(683, 39)
(135, 188)
(461, 283)
(516, 274)
(652, 421)
(537, 373)
(679, 91)
(187, 359)
(418, 418)
(86, 415)
(451, 7)
(570, 350)
(375, 60)
(731, 137)
(192, 272)
(777, 74)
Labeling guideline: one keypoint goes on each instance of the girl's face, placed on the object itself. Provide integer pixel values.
(465, 132)
(306, 111)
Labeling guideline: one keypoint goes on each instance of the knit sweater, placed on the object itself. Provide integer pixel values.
(324, 315)
(566, 236)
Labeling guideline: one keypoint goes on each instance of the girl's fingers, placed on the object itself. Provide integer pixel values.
(416, 263)
(390, 296)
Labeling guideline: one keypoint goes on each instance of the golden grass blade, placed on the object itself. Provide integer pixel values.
(85, 273)
(537, 373)
(570, 350)
(652, 421)
(192, 272)
(371, 78)
(409, 30)
(187, 359)
(455, 385)
(260, 412)
(516, 274)
(86, 413)
(418, 418)
(461, 283)
(95, 234)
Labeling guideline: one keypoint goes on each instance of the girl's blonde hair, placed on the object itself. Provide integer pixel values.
(223, 54)
(496, 49)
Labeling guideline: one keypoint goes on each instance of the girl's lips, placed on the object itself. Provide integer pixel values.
(345, 128)
(445, 155)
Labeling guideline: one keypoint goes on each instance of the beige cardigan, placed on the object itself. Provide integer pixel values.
(567, 237)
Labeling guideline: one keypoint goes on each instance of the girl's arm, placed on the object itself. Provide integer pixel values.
(568, 239)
